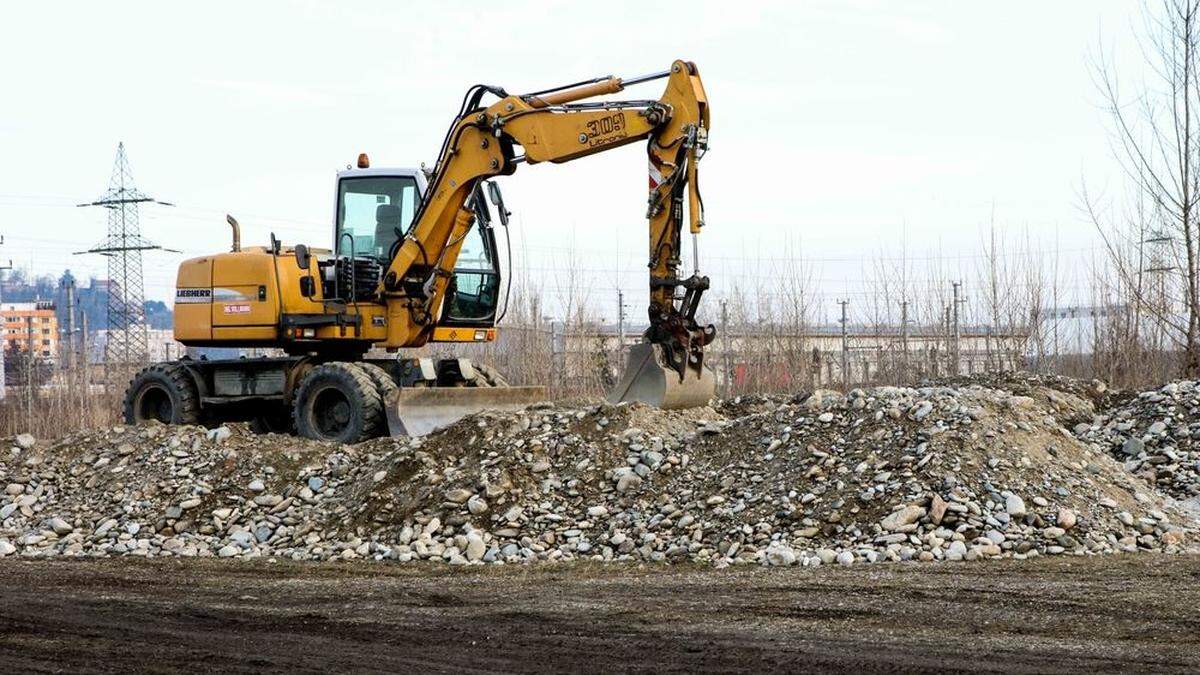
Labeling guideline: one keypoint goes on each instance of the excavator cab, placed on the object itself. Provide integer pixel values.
(373, 207)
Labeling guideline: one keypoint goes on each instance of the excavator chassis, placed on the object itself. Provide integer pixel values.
(346, 401)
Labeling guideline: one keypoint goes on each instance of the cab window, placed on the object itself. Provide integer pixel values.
(372, 209)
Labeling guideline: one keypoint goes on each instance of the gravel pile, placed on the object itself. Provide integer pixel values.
(1156, 435)
(936, 473)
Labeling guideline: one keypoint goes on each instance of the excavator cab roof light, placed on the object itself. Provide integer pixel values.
(363, 161)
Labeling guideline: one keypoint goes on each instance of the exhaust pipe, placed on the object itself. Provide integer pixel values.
(237, 232)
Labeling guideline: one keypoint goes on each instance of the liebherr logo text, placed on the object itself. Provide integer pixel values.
(184, 296)
(606, 130)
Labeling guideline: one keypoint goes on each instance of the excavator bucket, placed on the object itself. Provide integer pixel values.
(417, 411)
(648, 381)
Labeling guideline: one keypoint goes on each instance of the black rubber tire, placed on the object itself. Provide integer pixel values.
(163, 392)
(385, 385)
(337, 402)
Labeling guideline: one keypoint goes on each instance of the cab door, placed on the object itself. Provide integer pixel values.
(474, 290)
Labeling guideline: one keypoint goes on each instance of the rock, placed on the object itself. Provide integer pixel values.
(937, 509)
(13, 489)
(956, 551)
(1014, 505)
(1133, 447)
(845, 558)
(459, 495)
(1065, 519)
(256, 485)
(25, 441)
(379, 476)
(629, 481)
(780, 556)
(475, 547)
(60, 526)
(6, 548)
(268, 500)
(904, 516)
(228, 551)
(477, 505)
(598, 511)
(220, 434)
(825, 417)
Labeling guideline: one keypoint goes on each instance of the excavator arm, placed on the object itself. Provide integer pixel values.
(559, 125)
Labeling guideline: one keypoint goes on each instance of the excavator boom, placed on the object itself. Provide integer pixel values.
(558, 125)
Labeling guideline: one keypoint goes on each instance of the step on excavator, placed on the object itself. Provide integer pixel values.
(414, 261)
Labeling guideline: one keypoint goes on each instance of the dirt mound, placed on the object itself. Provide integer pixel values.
(936, 473)
(1156, 435)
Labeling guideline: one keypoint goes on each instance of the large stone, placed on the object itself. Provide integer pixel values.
(1065, 519)
(477, 505)
(475, 547)
(25, 441)
(60, 526)
(780, 556)
(937, 509)
(1014, 505)
(1133, 446)
(902, 517)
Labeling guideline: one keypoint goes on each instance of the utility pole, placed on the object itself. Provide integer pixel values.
(3, 337)
(85, 372)
(68, 344)
(620, 325)
(904, 338)
(845, 347)
(957, 328)
(727, 374)
(29, 370)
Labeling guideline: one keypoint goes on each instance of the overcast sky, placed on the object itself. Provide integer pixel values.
(839, 128)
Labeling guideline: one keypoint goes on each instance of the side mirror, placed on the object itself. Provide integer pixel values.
(303, 257)
(308, 288)
(498, 201)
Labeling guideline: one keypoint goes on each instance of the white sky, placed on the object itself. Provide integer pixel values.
(837, 126)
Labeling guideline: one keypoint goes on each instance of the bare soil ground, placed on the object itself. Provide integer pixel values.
(1116, 613)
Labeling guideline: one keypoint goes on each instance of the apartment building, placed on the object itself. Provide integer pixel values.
(30, 326)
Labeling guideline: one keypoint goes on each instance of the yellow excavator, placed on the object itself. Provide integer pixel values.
(415, 261)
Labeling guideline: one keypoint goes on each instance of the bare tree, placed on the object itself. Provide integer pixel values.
(1154, 139)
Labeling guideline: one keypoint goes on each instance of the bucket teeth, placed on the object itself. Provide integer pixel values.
(648, 381)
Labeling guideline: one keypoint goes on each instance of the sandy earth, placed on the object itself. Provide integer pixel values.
(1117, 613)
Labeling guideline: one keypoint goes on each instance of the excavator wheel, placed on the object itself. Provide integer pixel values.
(162, 392)
(385, 385)
(337, 402)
